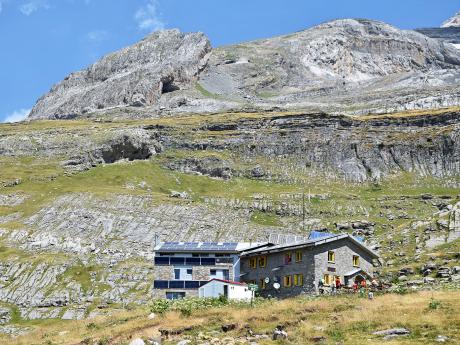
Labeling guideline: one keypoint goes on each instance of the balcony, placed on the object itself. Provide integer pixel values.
(178, 284)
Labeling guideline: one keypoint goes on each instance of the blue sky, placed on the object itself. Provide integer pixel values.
(42, 41)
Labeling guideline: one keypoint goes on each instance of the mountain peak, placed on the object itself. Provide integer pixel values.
(137, 75)
(452, 22)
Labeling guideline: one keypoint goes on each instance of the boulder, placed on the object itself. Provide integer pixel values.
(429, 280)
(179, 195)
(402, 278)
(5, 315)
(392, 331)
(443, 272)
(441, 339)
(229, 327)
(137, 341)
(184, 342)
(257, 172)
(279, 333)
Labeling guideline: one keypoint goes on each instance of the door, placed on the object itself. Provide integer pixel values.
(226, 291)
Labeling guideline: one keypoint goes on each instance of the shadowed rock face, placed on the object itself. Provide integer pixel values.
(349, 63)
(135, 76)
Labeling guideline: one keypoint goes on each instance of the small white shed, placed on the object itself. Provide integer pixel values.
(230, 289)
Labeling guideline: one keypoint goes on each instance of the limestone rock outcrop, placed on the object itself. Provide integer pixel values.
(136, 76)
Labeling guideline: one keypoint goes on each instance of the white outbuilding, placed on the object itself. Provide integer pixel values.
(230, 289)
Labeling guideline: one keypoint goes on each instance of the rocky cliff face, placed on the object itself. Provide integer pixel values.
(371, 65)
(136, 76)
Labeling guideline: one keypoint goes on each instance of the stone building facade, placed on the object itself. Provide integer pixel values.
(298, 267)
(182, 268)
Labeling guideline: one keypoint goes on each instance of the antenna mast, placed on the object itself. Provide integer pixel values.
(303, 211)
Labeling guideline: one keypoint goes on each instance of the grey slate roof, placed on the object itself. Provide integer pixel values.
(309, 243)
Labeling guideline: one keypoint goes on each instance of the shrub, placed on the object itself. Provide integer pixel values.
(187, 306)
(103, 341)
(160, 306)
(91, 326)
(434, 304)
(401, 290)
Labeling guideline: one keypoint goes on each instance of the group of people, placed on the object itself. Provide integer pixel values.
(357, 287)
(335, 286)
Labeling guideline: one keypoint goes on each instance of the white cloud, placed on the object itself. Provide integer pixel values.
(97, 36)
(32, 6)
(18, 115)
(148, 18)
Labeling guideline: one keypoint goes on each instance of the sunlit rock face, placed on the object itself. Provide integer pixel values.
(136, 76)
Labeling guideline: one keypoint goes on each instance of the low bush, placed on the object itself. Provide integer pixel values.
(187, 306)
(434, 304)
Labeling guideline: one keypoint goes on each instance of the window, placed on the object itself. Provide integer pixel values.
(262, 284)
(183, 273)
(327, 279)
(219, 274)
(175, 295)
(177, 273)
(298, 256)
(287, 281)
(298, 279)
(330, 256)
(226, 274)
(262, 261)
(355, 260)
(253, 262)
(288, 258)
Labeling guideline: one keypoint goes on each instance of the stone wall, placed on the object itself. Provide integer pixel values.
(276, 260)
(313, 266)
(163, 272)
(344, 250)
(200, 273)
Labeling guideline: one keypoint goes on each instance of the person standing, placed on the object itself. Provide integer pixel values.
(338, 284)
(321, 286)
(362, 290)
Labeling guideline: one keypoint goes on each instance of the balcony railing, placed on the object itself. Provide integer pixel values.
(178, 284)
(190, 261)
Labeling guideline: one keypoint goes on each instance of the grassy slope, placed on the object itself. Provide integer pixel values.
(44, 180)
(343, 319)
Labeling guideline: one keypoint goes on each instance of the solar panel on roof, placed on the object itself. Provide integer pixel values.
(319, 234)
(201, 246)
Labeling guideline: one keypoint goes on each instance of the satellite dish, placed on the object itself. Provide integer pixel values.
(276, 286)
(267, 280)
